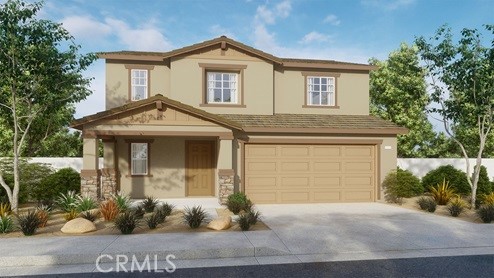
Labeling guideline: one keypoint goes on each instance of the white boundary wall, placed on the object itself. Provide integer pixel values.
(418, 166)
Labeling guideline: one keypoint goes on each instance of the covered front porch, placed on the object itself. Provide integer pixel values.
(160, 149)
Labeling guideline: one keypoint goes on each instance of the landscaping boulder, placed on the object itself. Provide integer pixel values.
(78, 226)
(221, 223)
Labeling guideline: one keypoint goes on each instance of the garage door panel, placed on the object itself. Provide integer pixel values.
(327, 196)
(295, 166)
(328, 182)
(310, 173)
(327, 151)
(260, 182)
(261, 166)
(327, 166)
(291, 181)
(294, 197)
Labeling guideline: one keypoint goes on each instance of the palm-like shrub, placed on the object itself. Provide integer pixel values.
(67, 202)
(149, 203)
(5, 209)
(456, 206)
(6, 224)
(122, 201)
(28, 222)
(85, 203)
(194, 216)
(442, 193)
(43, 213)
(126, 222)
(109, 209)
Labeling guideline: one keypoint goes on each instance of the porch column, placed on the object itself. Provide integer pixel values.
(226, 174)
(89, 172)
(109, 173)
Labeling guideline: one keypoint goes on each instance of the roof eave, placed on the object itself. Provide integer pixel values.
(328, 130)
(339, 66)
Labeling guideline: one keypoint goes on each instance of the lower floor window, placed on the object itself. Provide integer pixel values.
(139, 158)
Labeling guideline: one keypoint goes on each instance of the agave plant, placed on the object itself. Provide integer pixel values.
(5, 209)
(122, 201)
(456, 206)
(154, 220)
(126, 222)
(442, 193)
(85, 203)
(488, 199)
(149, 203)
(89, 215)
(67, 202)
(194, 216)
(6, 224)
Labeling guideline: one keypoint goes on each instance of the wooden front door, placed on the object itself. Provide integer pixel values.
(199, 165)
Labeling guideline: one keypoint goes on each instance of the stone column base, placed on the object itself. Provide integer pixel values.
(226, 184)
(90, 180)
(109, 182)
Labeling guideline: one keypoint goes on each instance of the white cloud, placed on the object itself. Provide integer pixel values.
(85, 27)
(388, 5)
(332, 19)
(263, 39)
(283, 9)
(140, 39)
(217, 30)
(265, 15)
(314, 37)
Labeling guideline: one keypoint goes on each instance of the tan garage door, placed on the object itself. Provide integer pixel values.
(310, 173)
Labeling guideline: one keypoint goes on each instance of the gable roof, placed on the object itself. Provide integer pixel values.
(224, 41)
(155, 100)
(311, 123)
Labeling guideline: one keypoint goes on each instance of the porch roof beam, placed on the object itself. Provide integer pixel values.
(106, 133)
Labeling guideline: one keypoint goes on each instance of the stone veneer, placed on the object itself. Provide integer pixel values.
(226, 184)
(90, 183)
(109, 185)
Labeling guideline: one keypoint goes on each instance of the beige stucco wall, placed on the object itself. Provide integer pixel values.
(187, 84)
(118, 85)
(352, 94)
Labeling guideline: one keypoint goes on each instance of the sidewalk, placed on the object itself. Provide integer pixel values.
(308, 233)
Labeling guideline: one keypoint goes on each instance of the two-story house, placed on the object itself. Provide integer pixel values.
(220, 116)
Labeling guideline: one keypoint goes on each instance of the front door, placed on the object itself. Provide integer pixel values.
(200, 168)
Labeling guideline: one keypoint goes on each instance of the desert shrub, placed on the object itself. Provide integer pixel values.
(486, 213)
(488, 199)
(28, 222)
(109, 209)
(31, 177)
(62, 181)
(244, 221)
(457, 179)
(166, 208)
(456, 206)
(194, 216)
(5, 209)
(237, 202)
(126, 222)
(442, 193)
(401, 184)
(71, 214)
(427, 204)
(68, 201)
(154, 220)
(149, 203)
(253, 216)
(6, 224)
(43, 213)
(138, 211)
(484, 185)
(89, 215)
(122, 200)
(85, 203)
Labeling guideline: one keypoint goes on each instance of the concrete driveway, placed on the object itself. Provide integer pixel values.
(315, 232)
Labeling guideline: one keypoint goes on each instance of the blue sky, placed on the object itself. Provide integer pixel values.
(346, 30)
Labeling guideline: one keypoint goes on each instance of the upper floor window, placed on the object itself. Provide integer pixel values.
(321, 89)
(139, 159)
(222, 87)
(139, 84)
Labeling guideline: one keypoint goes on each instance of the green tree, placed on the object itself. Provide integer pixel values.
(398, 93)
(40, 75)
(462, 82)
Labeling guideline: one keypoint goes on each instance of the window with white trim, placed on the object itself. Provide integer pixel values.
(321, 90)
(139, 84)
(222, 87)
(139, 158)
